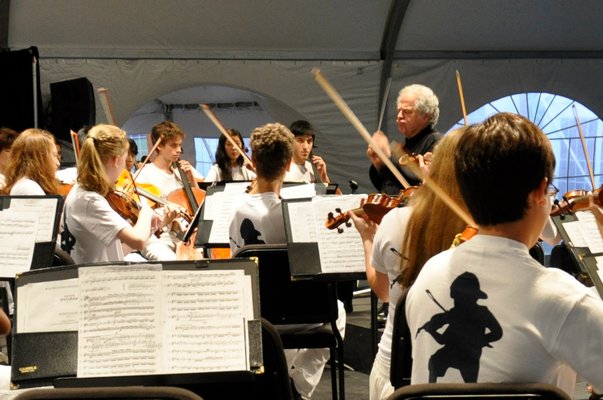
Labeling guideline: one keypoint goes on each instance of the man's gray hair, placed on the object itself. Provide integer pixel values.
(426, 103)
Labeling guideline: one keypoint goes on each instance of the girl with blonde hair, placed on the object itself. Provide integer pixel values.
(94, 232)
(32, 165)
(406, 238)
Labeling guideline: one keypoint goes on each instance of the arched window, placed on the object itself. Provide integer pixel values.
(555, 115)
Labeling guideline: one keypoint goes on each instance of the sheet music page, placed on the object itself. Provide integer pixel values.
(575, 234)
(120, 321)
(590, 231)
(45, 208)
(305, 191)
(16, 241)
(205, 321)
(51, 306)
(236, 187)
(339, 252)
(302, 221)
(219, 209)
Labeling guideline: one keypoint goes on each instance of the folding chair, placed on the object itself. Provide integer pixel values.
(284, 301)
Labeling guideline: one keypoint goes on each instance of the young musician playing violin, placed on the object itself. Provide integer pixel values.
(259, 219)
(396, 250)
(161, 172)
(93, 231)
(32, 165)
(486, 311)
(302, 168)
(230, 165)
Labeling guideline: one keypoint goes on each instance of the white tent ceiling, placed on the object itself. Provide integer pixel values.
(143, 50)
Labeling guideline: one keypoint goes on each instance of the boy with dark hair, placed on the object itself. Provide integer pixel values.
(305, 166)
(486, 311)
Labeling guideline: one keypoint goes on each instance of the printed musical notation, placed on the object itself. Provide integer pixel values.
(17, 241)
(45, 208)
(584, 232)
(143, 320)
(339, 252)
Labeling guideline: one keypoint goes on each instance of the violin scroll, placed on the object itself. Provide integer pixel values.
(335, 221)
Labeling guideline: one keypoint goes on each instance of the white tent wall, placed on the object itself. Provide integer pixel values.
(286, 91)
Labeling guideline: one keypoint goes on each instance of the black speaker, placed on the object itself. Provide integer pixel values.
(73, 106)
(20, 85)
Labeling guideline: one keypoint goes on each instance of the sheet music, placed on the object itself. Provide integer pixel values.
(305, 191)
(339, 252)
(120, 321)
(46, 210)
(206, 321)
(590, 231)
(17, 242)
(302, 221)
(219, 209)
(575, 234)
(51, 306)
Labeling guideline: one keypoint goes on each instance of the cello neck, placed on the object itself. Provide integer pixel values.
(187, 188)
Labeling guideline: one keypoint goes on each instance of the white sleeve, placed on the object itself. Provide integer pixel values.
(580, 340)
(213, 175)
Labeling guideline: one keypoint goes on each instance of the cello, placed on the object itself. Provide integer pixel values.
(191, 199)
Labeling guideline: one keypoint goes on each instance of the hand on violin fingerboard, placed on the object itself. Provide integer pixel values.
(321, 168)
(365, 227)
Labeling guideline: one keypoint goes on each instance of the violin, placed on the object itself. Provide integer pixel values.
(577, 200)
(124, 204)
(374, 207)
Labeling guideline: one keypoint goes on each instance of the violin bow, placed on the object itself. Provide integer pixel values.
(75, 143)
(213, 118)
(147, 159)
(462, 97)
(583, 141)
(388, 84)
(103, 94)
(405, 160)
(349, 114)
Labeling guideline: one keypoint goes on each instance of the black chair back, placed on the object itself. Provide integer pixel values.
(401, 355)
(489, 391)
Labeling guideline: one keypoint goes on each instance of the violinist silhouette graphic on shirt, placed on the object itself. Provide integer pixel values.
(470, 328)
(249, 234)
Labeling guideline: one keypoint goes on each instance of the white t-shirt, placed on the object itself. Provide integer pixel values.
(238, 174)
(258, 219)
(300, 173)
(26, 187)
(507, 319)
(166, 182)
(95, 225)
(385, 258)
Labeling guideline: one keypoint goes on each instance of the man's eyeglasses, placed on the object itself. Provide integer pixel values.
(406, 112)
(552, 191)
